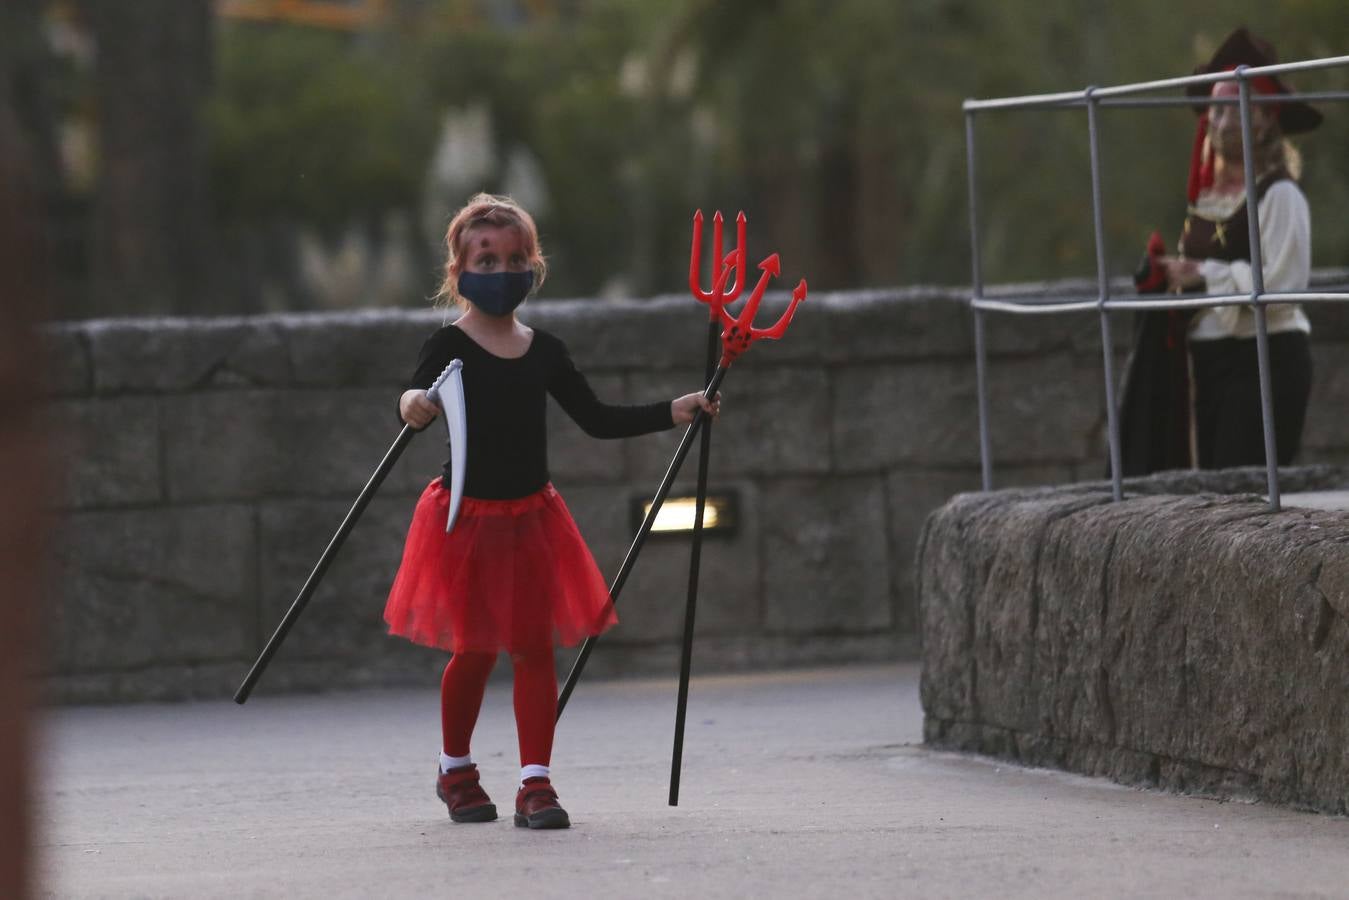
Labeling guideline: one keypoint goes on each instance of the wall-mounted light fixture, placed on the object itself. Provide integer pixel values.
(721, 514)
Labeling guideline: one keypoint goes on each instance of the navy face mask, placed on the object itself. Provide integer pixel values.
(496, 293)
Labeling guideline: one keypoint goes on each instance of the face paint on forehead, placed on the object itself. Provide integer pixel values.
(485, 236)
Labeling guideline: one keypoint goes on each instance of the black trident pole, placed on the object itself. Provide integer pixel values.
(695, 559)
(740, 333)
(625, 569)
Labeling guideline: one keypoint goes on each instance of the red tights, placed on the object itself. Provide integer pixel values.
(461, 692)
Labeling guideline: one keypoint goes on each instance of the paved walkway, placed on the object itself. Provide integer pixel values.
(801, 784)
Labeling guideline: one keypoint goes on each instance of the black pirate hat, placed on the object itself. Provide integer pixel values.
(1245, 49)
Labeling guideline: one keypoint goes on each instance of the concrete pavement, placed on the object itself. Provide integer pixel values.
(797, 784)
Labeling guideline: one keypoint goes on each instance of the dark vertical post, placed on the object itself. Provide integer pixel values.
(977, 292)
(695, 559)
(1103, 294)
(24, 285)
(1257, 291)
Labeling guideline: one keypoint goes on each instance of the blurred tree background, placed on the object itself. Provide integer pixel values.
(234, 156)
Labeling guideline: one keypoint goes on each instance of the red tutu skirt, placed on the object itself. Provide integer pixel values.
(514, 575)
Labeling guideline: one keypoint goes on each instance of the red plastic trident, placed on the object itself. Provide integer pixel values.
(714, 298)
(740, 331)
(737, 335)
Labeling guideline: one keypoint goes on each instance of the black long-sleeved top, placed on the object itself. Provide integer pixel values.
(507, 409)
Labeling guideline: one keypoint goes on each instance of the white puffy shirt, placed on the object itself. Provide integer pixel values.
(1285, 250)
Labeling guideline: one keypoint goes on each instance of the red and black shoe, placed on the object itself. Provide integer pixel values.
(459, 790)
(536, 806)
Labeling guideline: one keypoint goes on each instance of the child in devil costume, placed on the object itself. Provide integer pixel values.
(514, 573)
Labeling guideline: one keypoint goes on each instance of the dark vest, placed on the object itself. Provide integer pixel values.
(1229, 239)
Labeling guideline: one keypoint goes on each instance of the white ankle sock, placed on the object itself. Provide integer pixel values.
(448, 762)
(532, 772)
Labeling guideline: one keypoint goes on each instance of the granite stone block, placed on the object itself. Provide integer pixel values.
(157, 586)
(910, 497)
(1193, 641)
(68, 372)
(1042, 411)
(775, 421)
(367, 348)
(106, 450)
(909, 324)
(1326, 429)
(172, 355)
(275, 443)
(826, 556)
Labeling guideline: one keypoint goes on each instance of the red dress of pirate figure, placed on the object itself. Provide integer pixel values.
(513, 573)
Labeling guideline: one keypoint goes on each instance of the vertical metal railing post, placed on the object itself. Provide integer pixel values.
(1257, 291)
(1103, 293)
(977, 293)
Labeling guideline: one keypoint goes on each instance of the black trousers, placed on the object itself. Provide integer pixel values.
(1227, 398)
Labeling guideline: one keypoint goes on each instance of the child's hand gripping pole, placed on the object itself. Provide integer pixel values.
(321, 567)
(736, 339)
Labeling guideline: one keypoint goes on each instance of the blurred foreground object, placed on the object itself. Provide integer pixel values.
(21, 287)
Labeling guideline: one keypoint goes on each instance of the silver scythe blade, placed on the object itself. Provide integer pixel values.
(451, 397)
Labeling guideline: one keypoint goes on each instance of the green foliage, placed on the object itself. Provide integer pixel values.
(835, 124)
(306, 126)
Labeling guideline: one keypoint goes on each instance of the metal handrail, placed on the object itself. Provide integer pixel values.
(1078, 100)
(1030, 101)
(1093, 98)
(1178, 301)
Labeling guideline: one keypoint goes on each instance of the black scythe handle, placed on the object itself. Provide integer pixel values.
(637, 542)
(368, 492)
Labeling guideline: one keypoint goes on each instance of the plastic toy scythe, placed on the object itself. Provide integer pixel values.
(448, 391)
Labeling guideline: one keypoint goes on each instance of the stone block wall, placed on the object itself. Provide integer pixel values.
(206, 463)
(1185, 638)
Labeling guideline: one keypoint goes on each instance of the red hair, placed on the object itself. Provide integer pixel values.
(498, 212)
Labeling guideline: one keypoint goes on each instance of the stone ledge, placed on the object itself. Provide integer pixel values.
(1186, 638)
(1119, 763)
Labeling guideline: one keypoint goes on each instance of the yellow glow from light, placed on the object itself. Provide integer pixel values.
(677, 514)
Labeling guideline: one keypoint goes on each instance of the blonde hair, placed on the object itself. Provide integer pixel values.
(499, 212)
(1292, 159)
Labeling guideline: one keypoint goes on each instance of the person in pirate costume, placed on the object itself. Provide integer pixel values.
(1192, 395)
(513, 574)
